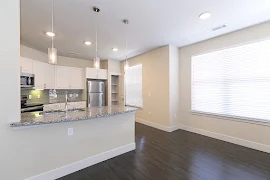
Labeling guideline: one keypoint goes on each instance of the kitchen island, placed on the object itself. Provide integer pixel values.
(98, 134)
(61, 116)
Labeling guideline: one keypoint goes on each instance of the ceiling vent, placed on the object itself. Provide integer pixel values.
(74, 53)
(219, 27)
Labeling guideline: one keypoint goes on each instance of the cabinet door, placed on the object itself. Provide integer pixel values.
(38, 70)
(76, 80)
(91, 73)
(102, 74)
(62, 77)
(49, 76)
(26, 65)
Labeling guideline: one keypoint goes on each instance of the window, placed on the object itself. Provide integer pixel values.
(234, 82)
(133, 78)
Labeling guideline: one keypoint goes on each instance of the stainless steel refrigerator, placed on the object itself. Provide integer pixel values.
(95, 93)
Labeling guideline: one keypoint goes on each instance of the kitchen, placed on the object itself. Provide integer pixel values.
(125, 90)
(69, 103)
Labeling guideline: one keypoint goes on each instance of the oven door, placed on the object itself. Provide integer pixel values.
(32, 109)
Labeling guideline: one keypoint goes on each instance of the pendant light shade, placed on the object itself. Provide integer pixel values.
(96, 59)
(52, 52)
(97, 63)
(52, 55)
(126, 66)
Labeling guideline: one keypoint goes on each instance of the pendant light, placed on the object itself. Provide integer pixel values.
(126, 21)
(52, 52)
(96, 60)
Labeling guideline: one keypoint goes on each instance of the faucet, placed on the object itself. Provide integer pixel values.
(66, 104)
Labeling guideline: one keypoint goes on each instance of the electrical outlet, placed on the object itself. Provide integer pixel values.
(30, 96)
(70, 95)
(149, 113)
(149, 94)
(77, 95)
(175, 115)
(70, 131)
(38, 96)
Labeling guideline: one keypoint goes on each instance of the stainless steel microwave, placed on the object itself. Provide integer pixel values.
(27, 80)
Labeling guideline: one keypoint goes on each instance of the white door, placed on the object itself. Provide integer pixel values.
(49, 76)
(26, 65)
(38, 70)
(102, 74)
(76, 80)
(62, 77)
(91, 73)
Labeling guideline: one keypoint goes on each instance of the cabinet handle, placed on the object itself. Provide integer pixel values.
(44, 86)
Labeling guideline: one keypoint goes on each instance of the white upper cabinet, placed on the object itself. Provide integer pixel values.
(39, 71)
(68, 78)
(62, 77)
(76, 79)
(102, 74)
(49, 76)
(92, 73)
(26, 65)
(44, 75)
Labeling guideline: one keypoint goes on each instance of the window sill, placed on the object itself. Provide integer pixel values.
(233, 118)
(134, 106)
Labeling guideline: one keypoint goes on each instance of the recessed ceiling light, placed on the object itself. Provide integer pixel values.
(114, 49)
(87, 43)
(205, 15)
(51, 34)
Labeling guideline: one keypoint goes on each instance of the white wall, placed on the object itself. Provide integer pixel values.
(160, 86)
(9, 63)
(229, 127)
(62, 61)
(174, 85)
(155, 80)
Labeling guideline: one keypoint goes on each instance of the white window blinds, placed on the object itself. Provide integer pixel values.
(234, 82)
(133, 78)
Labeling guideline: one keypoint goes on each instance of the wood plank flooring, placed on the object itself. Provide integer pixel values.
(180, 156)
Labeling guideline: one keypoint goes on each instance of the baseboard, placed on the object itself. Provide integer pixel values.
(157, 126)
(68, 169)
(230, 139)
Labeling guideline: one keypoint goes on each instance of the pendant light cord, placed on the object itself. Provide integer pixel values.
(96, 35)
(126, 42)
(52, 21)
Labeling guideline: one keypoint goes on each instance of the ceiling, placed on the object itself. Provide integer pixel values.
(153, 23)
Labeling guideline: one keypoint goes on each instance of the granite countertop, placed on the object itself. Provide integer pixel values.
(57, 102)
(42, 118)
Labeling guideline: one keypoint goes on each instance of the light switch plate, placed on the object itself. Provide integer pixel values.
(30, 96)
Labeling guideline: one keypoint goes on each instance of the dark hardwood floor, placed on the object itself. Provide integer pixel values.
(180, 156)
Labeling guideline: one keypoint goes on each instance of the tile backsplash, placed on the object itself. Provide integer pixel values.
(51, 96)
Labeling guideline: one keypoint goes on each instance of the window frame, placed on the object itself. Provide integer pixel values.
(222, 116)
(129, 105)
